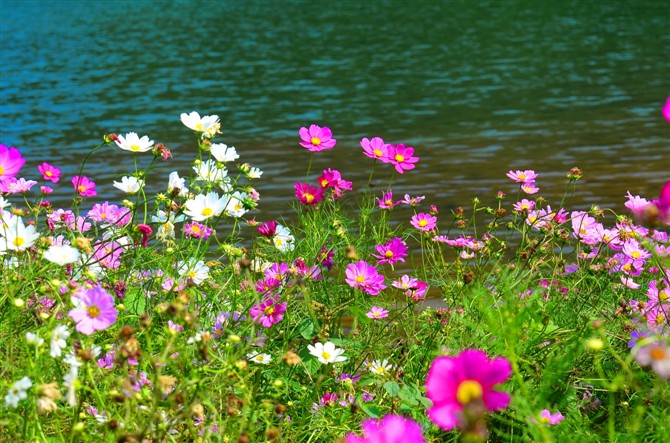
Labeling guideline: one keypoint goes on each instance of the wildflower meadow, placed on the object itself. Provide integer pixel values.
(365, 315)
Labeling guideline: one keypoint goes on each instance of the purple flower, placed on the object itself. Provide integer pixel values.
(391, 429)
(95, 310)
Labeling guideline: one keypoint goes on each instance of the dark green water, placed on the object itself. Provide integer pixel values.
(477, 87)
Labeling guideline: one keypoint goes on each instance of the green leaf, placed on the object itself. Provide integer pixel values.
(392, 388)
(307, 329)
(369, 408)
(408, 396)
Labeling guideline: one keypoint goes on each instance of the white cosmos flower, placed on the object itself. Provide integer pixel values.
(58, 337)
(177, 183)
(129, 185)
(378, 367)
(327, 352)
(223, 153)
(203, 207)
(17, 236)
(61, 255)
(210, 171)
(197, 272)
(17, 392)
(3, 203)
(34, 339)
(262, 359)
(235, 207)
(208, 125)
(133, 143)
(70, 382)
(254, 173)
(283, 239)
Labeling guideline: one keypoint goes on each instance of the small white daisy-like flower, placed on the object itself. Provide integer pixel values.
(327, 352)
(203, 207)
(129, 185)
(133, 143)
(223, 153)
(254, 173)
(208, 125)
(17, 392)
(17, 236)
(34, 339)
(235, 206)
(178, 184)
(61, 255)
(197, 272)
(283, 239)
(209, 171)
(58, 337)
(257, 357)
(378, 367)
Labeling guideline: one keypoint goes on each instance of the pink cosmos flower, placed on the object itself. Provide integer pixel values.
(331, 178)
(417, 292)
(377, 312)
(666, 110)
(307, 194)
(49, 173)
(375, 148)
(386, 202)
(268, 229)
(553, 419)
(530, 188)
(391, 429)
(317, 138)
(17, 186)
(84, 186)
(392, 252)
(656, 355)
(401, 157)
(467, 380)
(46, 190)
(197, 230)
(524, 205)
(269, 312)
(523, 176)
(10, 162)
(365, 277)
(405, 282)
(424, 222)
(95, 310)
(412, 201)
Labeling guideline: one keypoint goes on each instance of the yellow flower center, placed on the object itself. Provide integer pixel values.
(635, 254)
(198, 127)
(18, 241)
(103, 215)
(2, 170)
(207, 212)
(134, 148)
(380, 369)
(81, 188)
(660, 319)
(522, 176)
(544, 420)
(399, 158)
(259, 358)
(388, 254)
(378, 152)
(48, 173)
(389, 202)
(196, 229)
(269, 310)
(376, 314)
(93, 311)
(360, 279)
(657, 353)
(324, 183)
(525, 206)
(663, 295)
(325, 355)
(468, 391)
(192, 273)
(308, 197)
(316, 141)
(423, 223)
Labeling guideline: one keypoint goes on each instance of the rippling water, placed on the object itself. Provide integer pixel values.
(477, 87)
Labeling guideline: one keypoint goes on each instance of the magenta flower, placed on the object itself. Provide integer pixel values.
(46, 190)
(317, 138)
(269, 312)
(10, 162)
(524, 205)
(424, 222)
(401, 157)
(307, 194)
(375, 149)
(386, 202)
(454, 383)
(553, 419)
(49, 173)
(268, 229)
(391, 429)
(197, 230)
(376, 312)
(526, 176)
(666, 110)
(331, 178)
(94, 310)
(392, 252)
(365, 277)
(84, 186)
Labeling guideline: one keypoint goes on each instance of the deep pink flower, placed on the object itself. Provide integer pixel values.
(331, 178)
(375, 149)
(365, 277)
(46, 190)
(269, 312)
(454, 383)
(391, 429)
(386, 202)
(307, 194)
(526, 176)
(49, 173)
(317, 138)
(666, 110)
(401, 157)
(423, 222)
(392, 252)
(197, 230)
(146, 231)
(417, 292)
(84, 186)
(268, 229)
(95, 310)
(10, 162)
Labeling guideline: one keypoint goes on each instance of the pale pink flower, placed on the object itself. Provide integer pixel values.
(94, 310)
